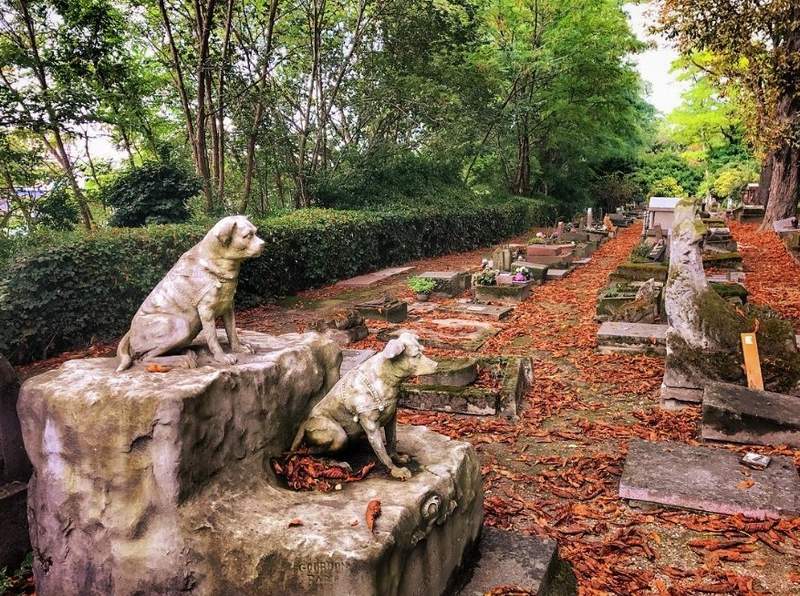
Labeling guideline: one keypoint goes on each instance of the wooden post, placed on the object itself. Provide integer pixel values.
(752, 364)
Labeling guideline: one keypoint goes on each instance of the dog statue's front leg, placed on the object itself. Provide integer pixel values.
(373, 432)
(391, 442)
(210, 331)
(237, 347)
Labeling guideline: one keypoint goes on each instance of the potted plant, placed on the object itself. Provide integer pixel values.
(422, 287)
(522, 274)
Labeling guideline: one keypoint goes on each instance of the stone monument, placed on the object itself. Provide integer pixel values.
(703, 339)
(157, 479)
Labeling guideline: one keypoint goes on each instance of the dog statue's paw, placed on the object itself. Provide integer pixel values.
(401, 473)
(226, 359)
(401, 458)
(244, 348)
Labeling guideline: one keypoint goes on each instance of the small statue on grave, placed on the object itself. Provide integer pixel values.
(364, 401)
(199, 288)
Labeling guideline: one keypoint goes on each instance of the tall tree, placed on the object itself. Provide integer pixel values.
(757, 44)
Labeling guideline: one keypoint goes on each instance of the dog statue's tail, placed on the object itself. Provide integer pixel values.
(124, 352)
(298, 438)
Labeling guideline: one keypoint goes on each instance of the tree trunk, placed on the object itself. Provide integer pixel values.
(784, 186)
(522, 176)
(765, 179)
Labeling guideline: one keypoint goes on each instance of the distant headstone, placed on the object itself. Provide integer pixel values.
(589, 219)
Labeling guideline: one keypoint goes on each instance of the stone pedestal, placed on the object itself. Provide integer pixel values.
(119, 458)
(450, 283)
(160, 483)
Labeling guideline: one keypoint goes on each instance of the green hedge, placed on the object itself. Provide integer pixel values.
(88, 286)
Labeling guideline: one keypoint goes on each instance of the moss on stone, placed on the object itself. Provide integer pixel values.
(730, 290)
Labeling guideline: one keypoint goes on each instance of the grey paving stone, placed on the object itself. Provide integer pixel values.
(708, 479)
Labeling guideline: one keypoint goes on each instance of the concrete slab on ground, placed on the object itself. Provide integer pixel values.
(584, 261)
(421, 308)
(459, 334)
(370, 279)
(528, 563)
(675, 398)
(490, 311)
(707, 479)
(741, 415)
(621, 337)
(555, 274)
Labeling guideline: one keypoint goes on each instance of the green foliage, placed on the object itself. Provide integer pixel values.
(487, 277)
(153, 193)
(421, 285)
(57, 209)
(659, 165)
(90, 285)
(731, 180)
(666, 187)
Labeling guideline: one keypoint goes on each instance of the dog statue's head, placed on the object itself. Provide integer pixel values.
(235, 238)
(406, 357)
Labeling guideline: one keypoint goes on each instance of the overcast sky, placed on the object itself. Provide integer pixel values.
(654, 64)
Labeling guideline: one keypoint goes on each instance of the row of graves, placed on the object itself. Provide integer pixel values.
(738, 361)
(631, 308)
(246, 465)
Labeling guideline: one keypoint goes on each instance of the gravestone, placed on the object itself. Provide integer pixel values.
(706, 479)
(502, 259)
(384, 309)
(489, 311)
(161, 483)
(15, 469)
(589, 218)
(511, 294)
(449, 283)
(741, 415)
(556, 274)
(452, 373)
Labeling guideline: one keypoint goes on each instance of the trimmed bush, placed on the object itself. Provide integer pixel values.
(89, 286)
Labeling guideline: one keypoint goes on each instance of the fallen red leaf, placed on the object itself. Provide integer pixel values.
(373, 513)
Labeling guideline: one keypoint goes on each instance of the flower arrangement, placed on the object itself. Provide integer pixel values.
(522, 273)
(537, 240)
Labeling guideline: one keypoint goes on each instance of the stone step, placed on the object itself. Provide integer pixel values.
(741, 415)
(620, 337)
(706, 479)
(529, 563)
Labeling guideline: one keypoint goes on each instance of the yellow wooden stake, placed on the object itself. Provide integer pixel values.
(752, 364)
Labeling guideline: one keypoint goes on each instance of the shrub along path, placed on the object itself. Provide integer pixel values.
(555, 473)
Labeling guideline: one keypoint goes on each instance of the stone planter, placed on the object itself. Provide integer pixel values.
(640, 272)
(513, 294)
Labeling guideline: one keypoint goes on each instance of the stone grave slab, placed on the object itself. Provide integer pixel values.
(614, 337)
(490, 311)
(556, 274)
(583, 261)
(707, 479)
(741, 415)
(514, 377)
(352, 358)
(453, 373)
(449, 283)
(675, 398)
(459, 334)
(538, 270)
(509, 559)
(370, 279)
(513, 294)
(392, 311)
(421, 308)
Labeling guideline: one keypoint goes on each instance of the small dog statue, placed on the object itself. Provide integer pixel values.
(199, 288)
(364, 401)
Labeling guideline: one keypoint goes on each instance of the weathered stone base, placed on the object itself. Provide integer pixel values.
(120, 460)
(741, 415)
(556, 274)
(449, 283)
(705, 479)
(526, 562)
(427, 526)
(513, 294)
(637, 338)
(392, 311)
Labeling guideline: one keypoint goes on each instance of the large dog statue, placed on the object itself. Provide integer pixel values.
(364, 401)
(199, 288)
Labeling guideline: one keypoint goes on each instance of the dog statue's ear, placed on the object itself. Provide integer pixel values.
(225, 233)
(394, 348)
